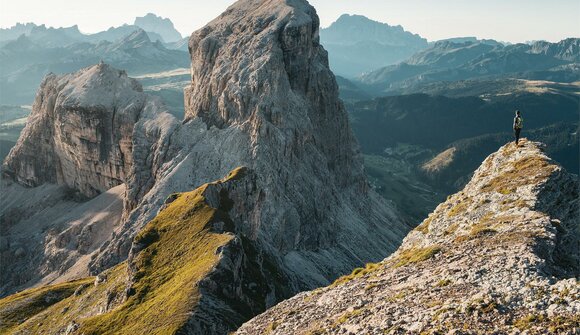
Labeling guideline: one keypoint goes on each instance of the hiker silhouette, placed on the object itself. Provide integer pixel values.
(518, 125)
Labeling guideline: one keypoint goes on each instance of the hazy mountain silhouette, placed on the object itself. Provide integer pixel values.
(161, 26)
(29, 58)
(450, 61)
(357, 44)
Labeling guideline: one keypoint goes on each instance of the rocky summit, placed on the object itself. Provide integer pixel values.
(90, 134)
(79, 133)
(499, 257)
(261, 97)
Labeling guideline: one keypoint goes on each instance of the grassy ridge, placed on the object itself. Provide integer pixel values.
(177, 250)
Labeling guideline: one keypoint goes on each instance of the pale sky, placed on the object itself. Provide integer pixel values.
(504, 20)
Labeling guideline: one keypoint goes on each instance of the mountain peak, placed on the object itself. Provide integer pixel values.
(285, 28)
(513, 177)
(161, 26)
(136, 37)
(361, 28)
(350, 19)
(99, 94)
(499, 256)
(357, 44)
(261, 96)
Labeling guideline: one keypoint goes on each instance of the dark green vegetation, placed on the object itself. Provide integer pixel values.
(436, 121)
(394, 177)
(419, 148)
(351, 92)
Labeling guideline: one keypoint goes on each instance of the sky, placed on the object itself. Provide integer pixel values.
(503, 20)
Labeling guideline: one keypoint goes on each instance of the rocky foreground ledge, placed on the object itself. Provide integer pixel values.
(500, 257)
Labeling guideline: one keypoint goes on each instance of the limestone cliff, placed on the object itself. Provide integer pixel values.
(500, 257)
(80, 131)
(90, 134)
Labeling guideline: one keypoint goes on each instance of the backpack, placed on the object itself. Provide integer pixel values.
(519, 122)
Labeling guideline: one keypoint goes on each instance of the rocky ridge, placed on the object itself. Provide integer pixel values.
(183, 263)
(449, 61)
(501, 256)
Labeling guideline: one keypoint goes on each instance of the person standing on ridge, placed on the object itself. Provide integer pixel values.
(518, 125)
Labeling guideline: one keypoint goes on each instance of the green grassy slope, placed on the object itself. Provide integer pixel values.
(154, 292)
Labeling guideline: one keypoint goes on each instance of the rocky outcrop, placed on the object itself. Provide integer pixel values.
(79, 133)
(501, 256)
(187, 263)
(262, 96)
(47, 236)
(89, 133)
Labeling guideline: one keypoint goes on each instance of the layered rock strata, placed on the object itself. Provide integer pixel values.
(90, 134)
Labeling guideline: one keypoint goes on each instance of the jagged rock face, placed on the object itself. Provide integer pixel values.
(89, 132)
(501, 256)
(79, 133)
(185, 267)
(568, 49)
(262, 96)
(260, 66)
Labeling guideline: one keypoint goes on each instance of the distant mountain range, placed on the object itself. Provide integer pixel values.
(121, 218)
(426, 123)
(448, 61)
(357, 44)
(38, 50)
(158, 29)
(487, 78)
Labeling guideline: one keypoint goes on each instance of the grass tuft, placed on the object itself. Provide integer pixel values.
(356, 273)
(528, 321)
(527, 170)
(443, 283)
(415, 255)
(348, 315)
